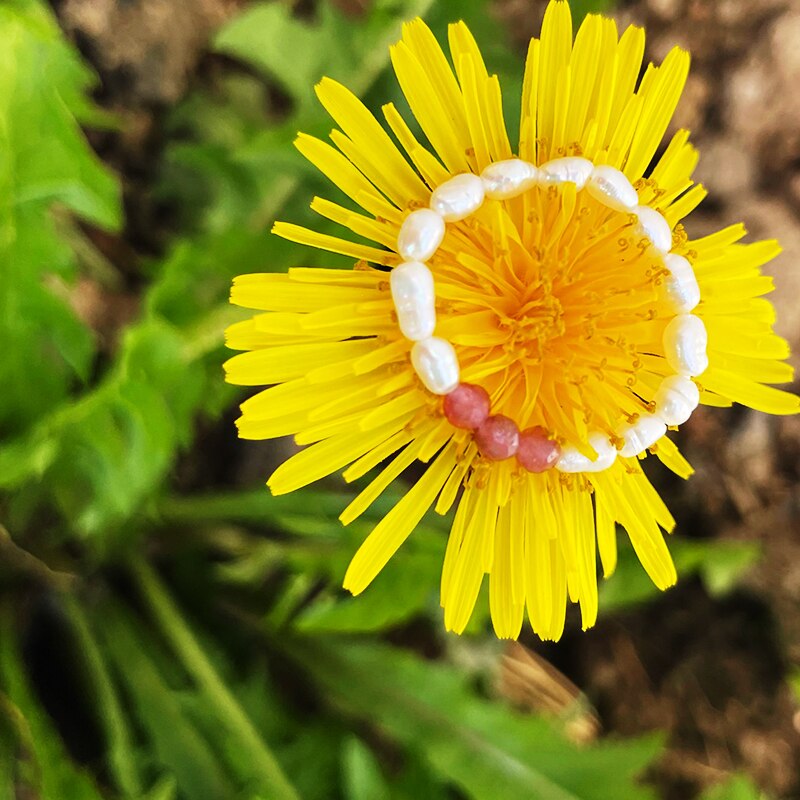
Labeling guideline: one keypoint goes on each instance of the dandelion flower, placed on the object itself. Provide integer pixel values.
(526, 321)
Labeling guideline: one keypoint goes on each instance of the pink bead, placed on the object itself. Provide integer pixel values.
(537, 452)
(497, 438)
(467, 406)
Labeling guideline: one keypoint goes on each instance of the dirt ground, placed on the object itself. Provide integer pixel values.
(711, 673)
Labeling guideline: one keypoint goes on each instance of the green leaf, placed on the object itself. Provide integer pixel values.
(175, 744)
(119, 739)
(270, 39)
(243, 163)
(297, 54)
(322, 548)
(404, 587)
(312, 758)
(165, 788)
(361, 775)
(739, 787)
(54, 777)
(44, 160)
(264, 768)
(45, 87)
(720, 565)
(254, 506)
(419, 780)
(7, 759)
(24, 459)
(104, 454)
(485, 749)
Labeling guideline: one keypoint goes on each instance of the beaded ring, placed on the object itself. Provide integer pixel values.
(435, 361)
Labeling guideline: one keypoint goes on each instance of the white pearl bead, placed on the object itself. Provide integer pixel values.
(644, 433)
(685, 342)
(414, 298)
(653, 225)
(572, 460)
(458, 198)
(680, 286)
(420, 235)
(566, 170)
(676, 398)
(611, 188)
(505, 179)
(436, 363)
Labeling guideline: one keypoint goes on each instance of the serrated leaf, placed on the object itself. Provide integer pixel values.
(484, 748)
(100, 457)
(44, 160)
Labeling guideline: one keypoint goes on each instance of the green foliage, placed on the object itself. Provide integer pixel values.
(481, 747)
(175, 743)
(197, 730)
(736, 788)
(100, 455)
(360, 772)
(39, 760)
(269, 38)
(719, 564)
(118, 735)
(44, 161)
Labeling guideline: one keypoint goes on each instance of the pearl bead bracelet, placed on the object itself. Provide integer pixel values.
(435, 361)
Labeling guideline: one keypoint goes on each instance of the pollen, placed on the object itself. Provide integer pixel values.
(552, 307)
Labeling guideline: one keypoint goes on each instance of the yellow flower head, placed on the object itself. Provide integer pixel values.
(528, 320)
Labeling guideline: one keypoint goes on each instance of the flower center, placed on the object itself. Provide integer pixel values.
(538, 319)
(563, 310)
(560, 298)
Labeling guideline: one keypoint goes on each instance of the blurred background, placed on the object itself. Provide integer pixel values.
(169, 630)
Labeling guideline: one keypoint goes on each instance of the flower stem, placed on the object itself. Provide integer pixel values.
(217, 694)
